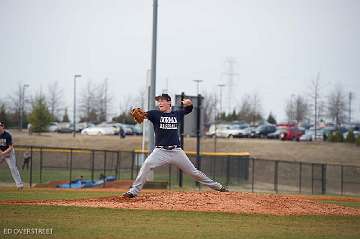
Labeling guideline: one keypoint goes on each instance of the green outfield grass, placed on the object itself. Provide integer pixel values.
(76, 222)
(73, 222)
(43, 194)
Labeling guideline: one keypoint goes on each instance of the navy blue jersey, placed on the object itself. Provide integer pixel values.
(166, 125)
(5, 141)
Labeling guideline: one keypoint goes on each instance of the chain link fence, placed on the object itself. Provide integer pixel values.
(238, 171)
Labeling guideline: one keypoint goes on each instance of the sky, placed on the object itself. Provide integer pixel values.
(278, 47)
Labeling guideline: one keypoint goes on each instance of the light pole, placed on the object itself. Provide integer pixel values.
(221, 86)
(22, 103)
(198, 86)
(151, 105)
(74, 113)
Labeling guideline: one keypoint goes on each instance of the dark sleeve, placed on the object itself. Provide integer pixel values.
(9, 140)
(188, 109)
(151, 115)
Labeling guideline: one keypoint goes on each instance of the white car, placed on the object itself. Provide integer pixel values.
(53, 127)
(228, 130)
(96, 130)
(310, 135)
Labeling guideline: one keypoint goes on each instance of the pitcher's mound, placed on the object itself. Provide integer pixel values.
(233, 202)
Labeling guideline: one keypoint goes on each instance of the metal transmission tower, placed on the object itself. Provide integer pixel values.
(350, 99)
(230, 73)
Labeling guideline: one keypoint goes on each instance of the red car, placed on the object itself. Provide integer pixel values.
(292, 133)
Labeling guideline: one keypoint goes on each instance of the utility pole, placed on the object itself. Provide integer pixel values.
(316, 98)
(153, 72)
(74, 113)
(105, 103)
(22, 103)
(350, 99)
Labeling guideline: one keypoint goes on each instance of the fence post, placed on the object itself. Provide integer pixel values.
(213, 163)
(92, 164)
(323, 178)
(300, 176)
(253, 175)
(71, 158)
(132, 165)
(180, 172)
(117, 164)
(41, 163)
(169, 176)
(31, 165)
(342, 180)
(276, 176)
(105, 159)
(227, 170)
(239, 170)
(312, 178)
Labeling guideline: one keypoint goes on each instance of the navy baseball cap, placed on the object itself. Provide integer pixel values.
(163, 97)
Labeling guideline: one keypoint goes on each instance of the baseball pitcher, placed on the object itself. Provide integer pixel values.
(167, 149)
(7, 153)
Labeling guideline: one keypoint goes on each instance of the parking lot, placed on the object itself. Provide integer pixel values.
(311, 152)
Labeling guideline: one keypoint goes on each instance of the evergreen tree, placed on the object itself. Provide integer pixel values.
(4, 117)
(271, 119)
(40, 116)
(66, 116)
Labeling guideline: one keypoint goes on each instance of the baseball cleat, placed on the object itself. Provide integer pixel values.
(128, 195)
(223, 189)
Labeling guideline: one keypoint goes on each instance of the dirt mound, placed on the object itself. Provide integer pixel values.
(233, 202)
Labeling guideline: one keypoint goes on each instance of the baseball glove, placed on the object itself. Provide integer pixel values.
(138, 114)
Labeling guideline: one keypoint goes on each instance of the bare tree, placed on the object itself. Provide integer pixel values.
(316, 104)
(88, 103)
(127, 103)
(256, 112)
(209, 107)
(16, 104)
(250, 109)
(337, 106)
(54, 100)
(351, 98)
(297, 109)
(103, 100)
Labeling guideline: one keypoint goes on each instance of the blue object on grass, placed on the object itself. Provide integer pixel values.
(81, 183)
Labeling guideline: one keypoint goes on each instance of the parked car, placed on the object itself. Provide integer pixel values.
(355, 130)
(65, 128)
(53, 127)
(115, 127)
(292, 133)
(216, 128)
(287, 124)
(277, 133)
(327, 131)
(137, 129)
(83, 125)
(244, 131)
(128, 129)
(309, 135)
(262, 131)
(98, 130)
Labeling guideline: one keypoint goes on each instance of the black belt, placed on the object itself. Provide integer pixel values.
(168, 147)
